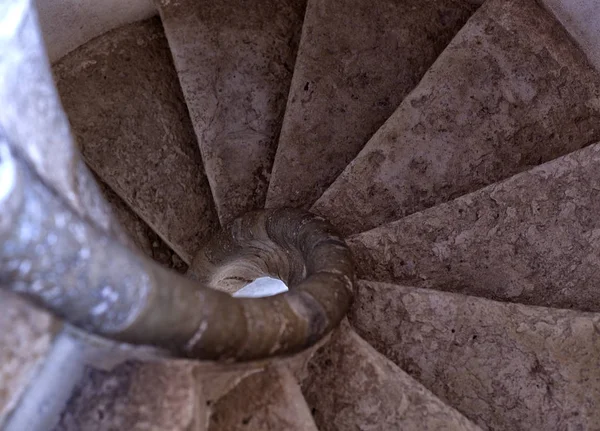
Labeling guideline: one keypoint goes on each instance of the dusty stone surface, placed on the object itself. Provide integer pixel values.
(532, 239)
(353, 387)
(136, 396)
(506, 366)
(122, 97)
(269, 400)
(26, 336)
(235, 65)
(190, 395)
(356, 62)
(141, 234)
(500, 99)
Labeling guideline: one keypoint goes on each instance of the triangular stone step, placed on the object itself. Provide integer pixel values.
(267, 400)
(127, 112)
(506, 366)
(511, 91)
(235, 63)
(137, 396)
(353, 387)
(142, 236)
(534, 238)
(123, 393)
(356, 62)
(185, 395)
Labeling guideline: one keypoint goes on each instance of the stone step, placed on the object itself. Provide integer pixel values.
(137, 390)
(534, 239)
(136, 396)
(175, 394)
(500, 99)
(356, 62)
(266, 400)
(353, 387)
(142, 236)
(505, 366)
(235, 65)
(122, 97)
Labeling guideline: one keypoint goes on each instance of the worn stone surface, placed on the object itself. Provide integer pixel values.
(136, 396)
(532, 239)
(26, 336)
(141, 234)
(268, 400)
(506, 366)
(356, 62)
(500, 99)
(235, 64)
(190, 395)
(353, 387)
(122, 97)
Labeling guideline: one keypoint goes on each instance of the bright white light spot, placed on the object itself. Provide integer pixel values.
(109, 293)
(37, 286)
(25, 267)
(11, 17)
(60, 220)
(99, 309)
(264, 286)
(8, 172)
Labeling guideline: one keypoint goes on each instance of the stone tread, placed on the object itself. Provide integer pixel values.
(183, 395)
(136, 396)
(356, 62)
(353, 387)
(142, 236)
(126, 108)
(533, 239)
(499, 100)
(235, 66)
(26, 337)
(266, 400)
(505, 366)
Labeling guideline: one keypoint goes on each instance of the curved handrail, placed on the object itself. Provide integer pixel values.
(71, 267)
(63, 253)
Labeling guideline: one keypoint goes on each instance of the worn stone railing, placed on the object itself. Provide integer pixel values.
(61, 248)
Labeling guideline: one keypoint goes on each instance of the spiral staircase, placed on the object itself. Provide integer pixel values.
(452, 143)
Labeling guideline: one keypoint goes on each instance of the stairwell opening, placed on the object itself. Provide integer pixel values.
(261, 287)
